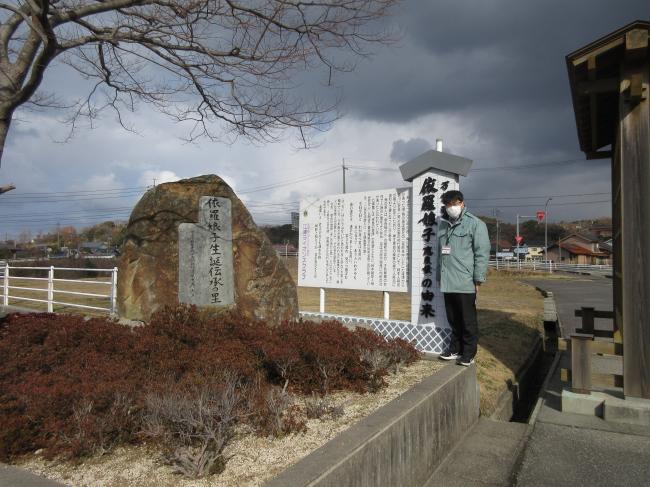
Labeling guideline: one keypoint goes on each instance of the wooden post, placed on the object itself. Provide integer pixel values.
(322, 301)
(587, 320)
(581, 362)
(631, 198)
(386, 305)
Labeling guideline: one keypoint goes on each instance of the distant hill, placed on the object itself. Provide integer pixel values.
(533, 232)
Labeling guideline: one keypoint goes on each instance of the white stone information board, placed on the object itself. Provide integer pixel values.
(356, 241)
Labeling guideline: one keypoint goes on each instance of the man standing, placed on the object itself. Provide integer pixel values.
(463, 253)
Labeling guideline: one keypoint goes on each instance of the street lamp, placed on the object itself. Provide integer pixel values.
(546, 232)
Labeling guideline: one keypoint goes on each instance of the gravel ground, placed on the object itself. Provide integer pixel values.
(253, 460)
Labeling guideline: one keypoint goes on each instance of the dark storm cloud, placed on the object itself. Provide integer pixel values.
(405, 150)
(459, 54)
(497, 67)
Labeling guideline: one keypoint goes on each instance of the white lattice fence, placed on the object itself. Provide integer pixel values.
(430, 339)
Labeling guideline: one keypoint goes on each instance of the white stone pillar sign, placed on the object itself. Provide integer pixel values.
(427, 302)
(432, 174)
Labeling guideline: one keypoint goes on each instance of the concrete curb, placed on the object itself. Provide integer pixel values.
(402, 443)
(549, 295)
(542, 390)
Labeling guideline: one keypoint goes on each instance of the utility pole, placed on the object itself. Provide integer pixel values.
(344, 169)
(546, 232)
(496, 254)
(58, 242)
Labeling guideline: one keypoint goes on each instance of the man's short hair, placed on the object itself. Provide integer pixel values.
(451, 196)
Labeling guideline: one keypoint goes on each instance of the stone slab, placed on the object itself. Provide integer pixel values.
(608, 406)
(589, 404)
(628, 410)
(205, 256)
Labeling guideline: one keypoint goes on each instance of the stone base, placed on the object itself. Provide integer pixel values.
(629, 410)
(589, 404)
(607, 406)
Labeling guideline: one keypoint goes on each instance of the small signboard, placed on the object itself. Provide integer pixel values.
(521, 250)
(505, 255)
(540, 216)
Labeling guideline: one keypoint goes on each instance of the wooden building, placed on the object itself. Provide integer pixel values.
(609, 84)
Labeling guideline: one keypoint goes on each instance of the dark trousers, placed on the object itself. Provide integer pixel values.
(461, 314)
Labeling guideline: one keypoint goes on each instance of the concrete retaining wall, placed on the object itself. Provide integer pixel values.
(401, 443)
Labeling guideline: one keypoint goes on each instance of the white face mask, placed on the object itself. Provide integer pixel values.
(454, 211)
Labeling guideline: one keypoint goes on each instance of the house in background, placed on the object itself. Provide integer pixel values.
(601, 231)
(580, 249)
(535, 251)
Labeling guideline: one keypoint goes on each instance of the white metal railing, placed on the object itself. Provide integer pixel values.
(51, 290)
(550, 266)
(288, 253)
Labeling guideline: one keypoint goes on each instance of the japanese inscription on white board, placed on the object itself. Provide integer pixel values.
(356, 241)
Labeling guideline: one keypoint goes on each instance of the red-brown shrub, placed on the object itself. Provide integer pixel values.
(74, 386)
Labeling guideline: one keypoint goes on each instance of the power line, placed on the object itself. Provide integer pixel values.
(538, 197)
(537, 206)
(268, 187)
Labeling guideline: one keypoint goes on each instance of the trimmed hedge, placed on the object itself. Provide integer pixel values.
(73, 386)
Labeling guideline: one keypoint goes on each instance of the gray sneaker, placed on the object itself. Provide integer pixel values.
(466, 362)
(449, 356)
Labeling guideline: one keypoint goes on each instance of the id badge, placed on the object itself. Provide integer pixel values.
(446, 250)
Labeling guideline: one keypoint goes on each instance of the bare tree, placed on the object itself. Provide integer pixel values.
(199, 61)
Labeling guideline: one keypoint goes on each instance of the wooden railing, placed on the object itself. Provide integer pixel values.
(582, 355)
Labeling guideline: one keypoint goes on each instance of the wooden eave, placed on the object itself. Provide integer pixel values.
(595, 84)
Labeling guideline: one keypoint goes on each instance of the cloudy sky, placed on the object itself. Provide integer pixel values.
(486, 76)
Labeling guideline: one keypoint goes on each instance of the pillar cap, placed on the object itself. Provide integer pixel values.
(433, 159)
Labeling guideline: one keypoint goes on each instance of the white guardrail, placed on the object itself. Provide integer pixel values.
(6, 276)
(513, 265)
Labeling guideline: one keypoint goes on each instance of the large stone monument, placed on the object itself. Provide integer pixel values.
(193, 241)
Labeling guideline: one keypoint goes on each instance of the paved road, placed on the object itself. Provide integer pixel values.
(565, 456)
(572, 450)
(571, 294)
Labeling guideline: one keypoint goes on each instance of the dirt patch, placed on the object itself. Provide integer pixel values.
(253, 460)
